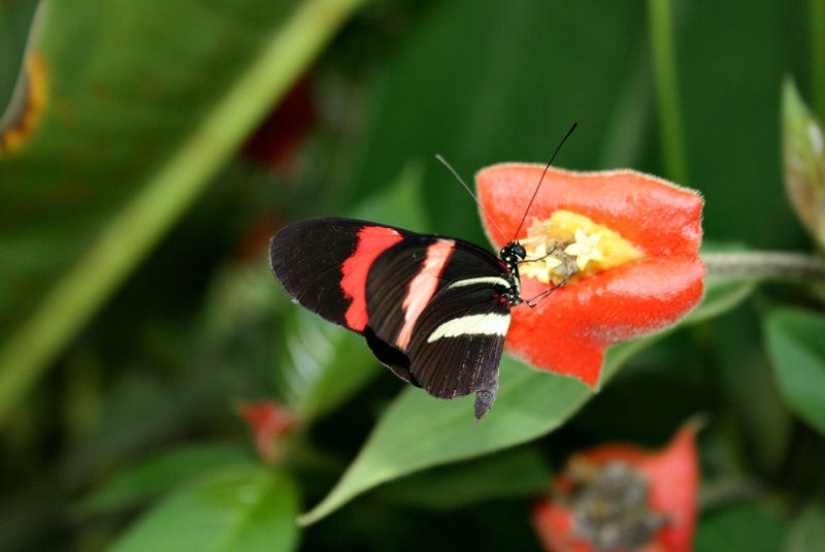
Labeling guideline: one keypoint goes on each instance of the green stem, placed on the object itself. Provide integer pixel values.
(166, 195)
(760, 265)
(660, 27)
(817, 8)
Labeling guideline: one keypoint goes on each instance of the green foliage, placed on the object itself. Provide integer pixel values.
(808, 530)
(237, 508)
(798, 352)
(742, 527)
(517, 472)
(147, 480)
(137, 311)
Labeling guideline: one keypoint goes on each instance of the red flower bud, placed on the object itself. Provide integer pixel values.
(270, 422)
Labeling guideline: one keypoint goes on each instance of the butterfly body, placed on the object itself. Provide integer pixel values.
(435, 310)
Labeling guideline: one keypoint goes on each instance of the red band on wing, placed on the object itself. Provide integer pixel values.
(422, 288)
(372, 241)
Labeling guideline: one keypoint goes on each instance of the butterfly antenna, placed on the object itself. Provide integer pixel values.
(472, 195)
(546, 168)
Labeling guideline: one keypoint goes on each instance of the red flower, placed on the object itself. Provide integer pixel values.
(270, 422)
(277, 138)
(622, 247)
(619, 497)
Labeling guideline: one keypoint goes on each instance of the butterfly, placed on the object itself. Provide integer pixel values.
(433, 309)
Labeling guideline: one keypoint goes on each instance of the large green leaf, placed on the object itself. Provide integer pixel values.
(147, 479)
(242, 507)
(145, 102)
(520, 472)
(797, 349)
(418, 431)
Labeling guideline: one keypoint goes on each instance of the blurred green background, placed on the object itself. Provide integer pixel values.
(137, 310)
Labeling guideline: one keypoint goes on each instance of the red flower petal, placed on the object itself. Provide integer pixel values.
(569, 331)
(554, 525)
(673, 476)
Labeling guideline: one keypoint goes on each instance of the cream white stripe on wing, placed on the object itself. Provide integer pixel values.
(422, 287)
(474, 324)
(497, 280)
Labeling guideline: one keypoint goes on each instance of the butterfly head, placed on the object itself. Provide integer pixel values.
(512, 254)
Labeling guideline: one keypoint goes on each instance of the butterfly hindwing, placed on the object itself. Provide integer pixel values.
(457, 341)
(458, 344)
(437, 310)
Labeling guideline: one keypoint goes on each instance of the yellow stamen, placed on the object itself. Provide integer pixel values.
(570, 246)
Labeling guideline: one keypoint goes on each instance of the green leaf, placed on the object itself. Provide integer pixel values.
(517, 473)
(129, 138)
(803, 161)
(753, 403)
(399, 204)
(807, 532)
(321, 366)
(150, 478)
(16, 20)
(243, 507)
(797, 350)
(742, 527)
(419, 431)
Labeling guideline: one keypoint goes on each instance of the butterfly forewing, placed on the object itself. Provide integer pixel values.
(309, 259)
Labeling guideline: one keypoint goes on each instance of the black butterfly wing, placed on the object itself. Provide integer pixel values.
(323, 263)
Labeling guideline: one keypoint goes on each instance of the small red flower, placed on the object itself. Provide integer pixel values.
(270, 422)
(620, 248)
(619, 497)
(277, 138)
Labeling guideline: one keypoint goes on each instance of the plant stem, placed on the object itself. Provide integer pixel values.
(760, 265)
(660, 28)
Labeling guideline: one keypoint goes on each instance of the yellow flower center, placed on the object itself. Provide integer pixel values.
(569, 246)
